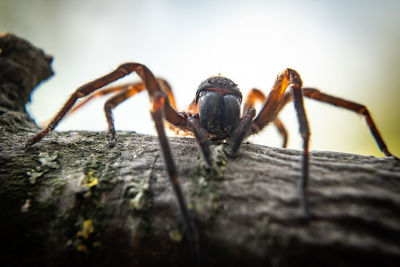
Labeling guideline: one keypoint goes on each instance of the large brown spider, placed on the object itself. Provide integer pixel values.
(213, 114)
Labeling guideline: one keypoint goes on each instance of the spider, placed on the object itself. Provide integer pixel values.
(213, 114)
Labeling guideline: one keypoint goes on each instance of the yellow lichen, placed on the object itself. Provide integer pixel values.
(96, 244)
(81, 248)
(90, 181)
(87, 229)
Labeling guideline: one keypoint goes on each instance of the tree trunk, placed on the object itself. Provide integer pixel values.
(72, 201)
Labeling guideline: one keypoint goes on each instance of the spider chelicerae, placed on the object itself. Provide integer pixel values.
(213, 114)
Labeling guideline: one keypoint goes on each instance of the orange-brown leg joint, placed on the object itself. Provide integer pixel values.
(157, 103)
(274, 99)
(252, 97)
(256, 95)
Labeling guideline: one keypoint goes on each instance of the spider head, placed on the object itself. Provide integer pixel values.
(218, 100)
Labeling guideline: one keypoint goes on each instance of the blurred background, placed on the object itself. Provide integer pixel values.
(345, 48)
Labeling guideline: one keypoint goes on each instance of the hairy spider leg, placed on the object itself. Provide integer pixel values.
(295, 89)
(202, 139)
(157, 106)
(115, 101)
(346, 104)
(160, 109)
(126, 91)
(96, 94)
(90, 90)
(192, 108)
(289, 80)
(241, 131)
(255, 95)
(358, 108)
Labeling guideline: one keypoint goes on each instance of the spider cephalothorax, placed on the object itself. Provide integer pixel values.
(214, 113)
(218, 101)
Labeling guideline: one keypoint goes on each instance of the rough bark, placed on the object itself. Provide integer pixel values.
(72, 201)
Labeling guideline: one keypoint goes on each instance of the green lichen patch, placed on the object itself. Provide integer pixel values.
(139, 195)
(205, 173)
(205, 200)
(47, 161)
(140, 202)
(176, 235)
(34, 174)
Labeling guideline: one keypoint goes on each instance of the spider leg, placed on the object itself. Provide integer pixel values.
(346, 104)
(96, 94)
(202, 139)
(129, 91)
(358, 108)
(157, 107)
(256, 95)
(290, 80)
(115, 101)
(82, 91)
(171, 115)
(241, 131)
(305, 134)
(192, 108)
(166, 88)
(200, 133)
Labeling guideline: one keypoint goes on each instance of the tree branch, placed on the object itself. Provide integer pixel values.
(72, 201)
